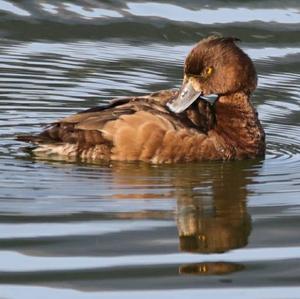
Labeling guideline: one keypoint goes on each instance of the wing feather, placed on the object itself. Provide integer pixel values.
(129, 127)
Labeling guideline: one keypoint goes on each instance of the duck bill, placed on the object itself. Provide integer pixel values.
(187, 96)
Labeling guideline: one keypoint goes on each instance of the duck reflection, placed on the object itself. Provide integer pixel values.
(212, 268)
(211, 200)
(211, 214)
(216, 220)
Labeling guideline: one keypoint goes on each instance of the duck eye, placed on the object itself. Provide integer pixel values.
(208, 71)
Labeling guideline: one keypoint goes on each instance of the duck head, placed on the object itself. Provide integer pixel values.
(215, 66)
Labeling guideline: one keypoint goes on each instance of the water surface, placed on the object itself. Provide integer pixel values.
(71, 230)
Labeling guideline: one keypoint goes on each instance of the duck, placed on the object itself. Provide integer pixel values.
(170, 126)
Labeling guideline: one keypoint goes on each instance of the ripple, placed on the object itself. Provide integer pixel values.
(226, 293)
(13, 8)
(12, 261)
(91, 12)
(41, 230)
(213, 16)
(53, 9)
(74, 230)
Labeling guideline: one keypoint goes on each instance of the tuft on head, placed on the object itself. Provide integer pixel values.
(220, 66)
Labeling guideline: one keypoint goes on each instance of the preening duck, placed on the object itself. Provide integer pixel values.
(172, 125)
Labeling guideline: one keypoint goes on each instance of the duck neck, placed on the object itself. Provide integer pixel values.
(237, 122)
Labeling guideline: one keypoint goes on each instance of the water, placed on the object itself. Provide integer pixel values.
(131, 229)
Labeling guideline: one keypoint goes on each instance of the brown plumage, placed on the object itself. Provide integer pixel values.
(145, 128)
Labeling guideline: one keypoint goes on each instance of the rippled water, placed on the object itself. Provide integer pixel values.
(131, 229)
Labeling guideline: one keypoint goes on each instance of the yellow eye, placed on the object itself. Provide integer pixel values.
(208, 71)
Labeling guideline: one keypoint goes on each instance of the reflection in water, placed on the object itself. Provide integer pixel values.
(218, 222)
(215, 221)
(217, 268)
(212, 212)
